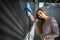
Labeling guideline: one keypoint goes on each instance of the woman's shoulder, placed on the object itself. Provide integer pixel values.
(53, 19)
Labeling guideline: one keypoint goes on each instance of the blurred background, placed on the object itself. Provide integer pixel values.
(14, 24)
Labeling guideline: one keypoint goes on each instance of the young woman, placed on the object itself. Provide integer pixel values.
(46, 27)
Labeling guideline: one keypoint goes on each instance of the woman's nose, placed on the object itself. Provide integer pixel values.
(40, 15)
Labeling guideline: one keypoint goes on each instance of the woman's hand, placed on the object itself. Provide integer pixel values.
(47, 37)
(44, 38)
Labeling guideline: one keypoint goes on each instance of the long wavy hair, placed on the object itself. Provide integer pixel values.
(40, 22)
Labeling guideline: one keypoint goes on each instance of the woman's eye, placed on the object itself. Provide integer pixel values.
(40, 13)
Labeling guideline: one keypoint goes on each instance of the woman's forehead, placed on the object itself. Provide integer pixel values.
(39, 11)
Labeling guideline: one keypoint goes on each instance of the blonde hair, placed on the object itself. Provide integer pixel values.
(39, 23)
(40, 9)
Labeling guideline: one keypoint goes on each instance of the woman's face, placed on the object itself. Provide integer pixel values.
(41, 14)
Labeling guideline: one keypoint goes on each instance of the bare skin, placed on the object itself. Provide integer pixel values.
(31, 17)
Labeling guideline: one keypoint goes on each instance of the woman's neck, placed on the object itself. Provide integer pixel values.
(46, 18)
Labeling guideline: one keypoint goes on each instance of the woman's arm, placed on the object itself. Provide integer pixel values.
(31, 16)
(54, 28)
